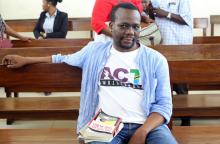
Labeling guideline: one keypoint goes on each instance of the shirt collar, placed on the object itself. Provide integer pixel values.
(48, 15)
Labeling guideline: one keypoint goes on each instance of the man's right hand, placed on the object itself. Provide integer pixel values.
(14, 61)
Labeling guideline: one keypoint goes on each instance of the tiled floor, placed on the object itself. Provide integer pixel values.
(72, 124)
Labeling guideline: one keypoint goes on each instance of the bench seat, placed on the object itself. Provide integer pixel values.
(38, 136)
(197, 105)
(40, 108)
(184, 135)
(197, 134)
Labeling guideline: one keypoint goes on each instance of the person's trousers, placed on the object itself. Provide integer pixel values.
(160, 135)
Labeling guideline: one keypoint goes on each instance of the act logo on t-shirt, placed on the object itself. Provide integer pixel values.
(121, 77)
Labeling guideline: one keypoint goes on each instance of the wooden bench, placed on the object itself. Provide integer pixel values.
(197, 134)
(28, 83)
(196, 72)
(38, 136)
(74, 24)
(206, 40)
(184, 135)
(171, 52)
(40, 78)
(51, 43)
(28, 25)
(39, 51)
(36, 51)
(55, 108)
(193, 52)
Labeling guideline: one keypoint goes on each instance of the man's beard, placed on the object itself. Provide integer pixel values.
(134, 41)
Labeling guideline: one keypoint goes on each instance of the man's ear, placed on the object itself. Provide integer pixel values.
(110, 25)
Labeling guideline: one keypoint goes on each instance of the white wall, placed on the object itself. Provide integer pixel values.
(26, 9)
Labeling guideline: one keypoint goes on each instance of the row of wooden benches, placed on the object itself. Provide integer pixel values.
(74, 24)
(173, 53)
(184, 135)
(82, 42)
(27, 79)
(84, 24)
(178, 55)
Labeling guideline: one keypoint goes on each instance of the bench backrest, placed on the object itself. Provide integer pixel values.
(206, 40)
(171, 52)
(74, 24)
(42, 77)
(28, 25)
(195, 71)
(51, 43)
(195, 51)
(38, 51)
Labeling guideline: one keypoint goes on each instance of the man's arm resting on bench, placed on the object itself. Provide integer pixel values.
(16, 61)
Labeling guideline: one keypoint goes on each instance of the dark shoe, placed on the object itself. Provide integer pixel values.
(47, 93)
(185, 122)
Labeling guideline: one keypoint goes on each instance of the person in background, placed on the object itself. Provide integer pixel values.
(101, 17)
(52, 22)
(148, 8)
(123, 78)
(175, 22)
(5, 29)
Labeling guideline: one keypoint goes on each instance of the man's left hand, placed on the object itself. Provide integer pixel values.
(139, 136)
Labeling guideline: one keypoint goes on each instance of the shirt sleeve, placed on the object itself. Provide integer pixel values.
(139, 5)
(185, 11)
(76, 59)
(163, 99)
(100, 15)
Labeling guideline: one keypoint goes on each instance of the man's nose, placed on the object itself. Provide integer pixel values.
(130, 30)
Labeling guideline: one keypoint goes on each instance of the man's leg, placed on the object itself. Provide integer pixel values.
(161, 135)
(118, 139)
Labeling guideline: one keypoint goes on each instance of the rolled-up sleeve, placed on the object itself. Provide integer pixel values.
(76, 59)
(163, 98)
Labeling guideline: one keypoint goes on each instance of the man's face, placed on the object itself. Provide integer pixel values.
(126, 28)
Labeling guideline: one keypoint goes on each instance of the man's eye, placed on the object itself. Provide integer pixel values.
(124, 26)
(136, 27)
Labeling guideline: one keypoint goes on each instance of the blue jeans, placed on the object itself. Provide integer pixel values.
(160, 135)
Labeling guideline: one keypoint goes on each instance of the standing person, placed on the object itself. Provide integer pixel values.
(147, 8)
(122, 77)
(5, 29)
(52, 22)
(101, 17)
(174, 19)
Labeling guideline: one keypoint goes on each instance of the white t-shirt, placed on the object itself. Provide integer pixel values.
(120, 88)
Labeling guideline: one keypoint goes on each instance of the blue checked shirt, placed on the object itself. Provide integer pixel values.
(171, 32)
(92, 59)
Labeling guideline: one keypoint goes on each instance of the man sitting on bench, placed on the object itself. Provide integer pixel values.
(124, 78)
